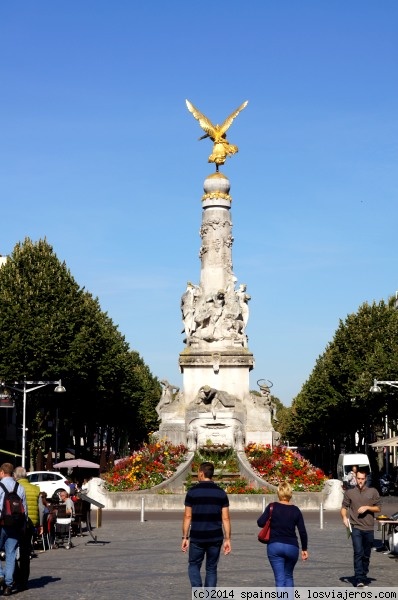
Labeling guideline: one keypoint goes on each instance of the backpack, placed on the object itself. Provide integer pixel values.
(13, 512)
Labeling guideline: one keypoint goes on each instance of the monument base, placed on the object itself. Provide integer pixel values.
(226, 370)
(174, 431)
(263, 437)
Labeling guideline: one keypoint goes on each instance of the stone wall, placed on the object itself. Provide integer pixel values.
(175, 502)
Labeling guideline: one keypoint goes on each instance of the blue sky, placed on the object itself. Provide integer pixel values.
(99, 154)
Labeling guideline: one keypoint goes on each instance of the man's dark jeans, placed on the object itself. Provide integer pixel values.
(22, 570)
(362, 542)
(197, 552)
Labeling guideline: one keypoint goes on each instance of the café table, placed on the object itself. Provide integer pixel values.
(387, 527)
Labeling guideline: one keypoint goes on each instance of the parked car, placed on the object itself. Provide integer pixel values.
(50, 482)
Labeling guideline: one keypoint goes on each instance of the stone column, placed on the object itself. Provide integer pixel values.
(215, 314)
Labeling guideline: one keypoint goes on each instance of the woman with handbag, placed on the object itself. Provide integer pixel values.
(282, 546)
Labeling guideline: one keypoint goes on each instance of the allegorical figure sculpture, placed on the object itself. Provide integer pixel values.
(192, 438)
(239, 440)
(219, 316)
(212, 399)
(167, 396)
(266, 398)
(243, 299)
(217, 133)
(188, 303)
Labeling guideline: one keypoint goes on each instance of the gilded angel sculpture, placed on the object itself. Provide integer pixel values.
(217, 133)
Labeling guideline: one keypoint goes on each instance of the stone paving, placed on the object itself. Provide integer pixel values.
(143, 560)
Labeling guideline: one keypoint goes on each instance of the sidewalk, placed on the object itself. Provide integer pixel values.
(143, 561)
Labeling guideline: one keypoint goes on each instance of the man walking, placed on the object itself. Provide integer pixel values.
(357, 511)
(9, 535)
(206, 527)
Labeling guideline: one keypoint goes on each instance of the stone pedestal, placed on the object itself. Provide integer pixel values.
(225, 369)
(333, 494)
(174, 430)
(262, 437)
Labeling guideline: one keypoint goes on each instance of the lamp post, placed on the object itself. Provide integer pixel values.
(376, 389)
(25, 391)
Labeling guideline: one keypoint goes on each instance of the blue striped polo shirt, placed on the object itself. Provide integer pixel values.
(207, 500)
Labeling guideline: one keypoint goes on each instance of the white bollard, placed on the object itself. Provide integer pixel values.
(321, 516)
(142, 519)
(263, 503)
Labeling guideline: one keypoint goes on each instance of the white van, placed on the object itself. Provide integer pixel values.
(347, 461)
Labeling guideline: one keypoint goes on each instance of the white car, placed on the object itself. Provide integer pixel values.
(50, 482)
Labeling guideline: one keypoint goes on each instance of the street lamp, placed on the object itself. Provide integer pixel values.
(38, 384)
(376, 389)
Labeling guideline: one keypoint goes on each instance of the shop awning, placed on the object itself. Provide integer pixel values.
(392, 441)
(10, 453)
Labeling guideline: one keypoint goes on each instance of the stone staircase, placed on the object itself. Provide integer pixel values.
(219, 477)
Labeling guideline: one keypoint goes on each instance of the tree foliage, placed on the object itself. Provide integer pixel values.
(282, 416)
(335, 407)
(52, 329)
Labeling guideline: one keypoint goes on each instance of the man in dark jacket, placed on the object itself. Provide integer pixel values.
(206, 527)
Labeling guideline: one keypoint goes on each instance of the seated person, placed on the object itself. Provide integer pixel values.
(350, 479)
(65, 501)
(46, 516)
(73, 488)
(44, 509)
(84, 486)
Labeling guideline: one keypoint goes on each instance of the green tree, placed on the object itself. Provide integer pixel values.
(282, 415)
(51, 328)
(335, 407)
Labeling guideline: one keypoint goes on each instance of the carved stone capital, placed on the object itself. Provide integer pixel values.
(217, 195)
(225, 358)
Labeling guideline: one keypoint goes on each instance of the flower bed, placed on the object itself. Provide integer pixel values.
(150, 465)
(157, 461)
(282, 464)
(241, 486)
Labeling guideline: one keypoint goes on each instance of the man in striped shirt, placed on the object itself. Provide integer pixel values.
(206, 527)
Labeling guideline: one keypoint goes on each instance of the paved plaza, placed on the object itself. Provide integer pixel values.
(143, 560)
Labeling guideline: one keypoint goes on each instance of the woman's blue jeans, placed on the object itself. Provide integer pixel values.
(283, 558)
(197, 552)
(362, 542)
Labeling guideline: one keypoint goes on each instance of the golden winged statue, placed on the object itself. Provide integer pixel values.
(217, 133)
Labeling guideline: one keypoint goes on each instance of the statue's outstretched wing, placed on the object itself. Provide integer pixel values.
(228, 121)
(204, 122)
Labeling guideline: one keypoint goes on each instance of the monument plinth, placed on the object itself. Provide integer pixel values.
(216, 401)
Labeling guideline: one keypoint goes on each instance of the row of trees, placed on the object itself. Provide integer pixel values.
(335, 408)
(50, 328)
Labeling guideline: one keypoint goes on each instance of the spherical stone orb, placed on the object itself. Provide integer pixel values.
(216, 182)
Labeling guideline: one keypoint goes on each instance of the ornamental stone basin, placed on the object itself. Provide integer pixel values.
(170, 494)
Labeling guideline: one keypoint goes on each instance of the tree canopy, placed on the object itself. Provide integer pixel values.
(335, 407)
(52, 329)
